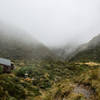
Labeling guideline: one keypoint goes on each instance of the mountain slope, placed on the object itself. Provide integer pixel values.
(17, 44)
(89, 51)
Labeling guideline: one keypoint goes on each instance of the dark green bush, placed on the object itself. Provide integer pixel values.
(45, 84)
(1, 69)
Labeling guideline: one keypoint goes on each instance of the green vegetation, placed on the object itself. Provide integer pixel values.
(91, 79)
(14, 88)
(55, 76)
(1, 69)
(90, 54)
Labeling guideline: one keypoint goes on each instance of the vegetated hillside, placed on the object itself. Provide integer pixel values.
(17, 44)
(89, 51)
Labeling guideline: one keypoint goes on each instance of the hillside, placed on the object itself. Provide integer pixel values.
(89, 51)
(17, 44)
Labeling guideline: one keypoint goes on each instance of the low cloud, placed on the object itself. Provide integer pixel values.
(54, 22)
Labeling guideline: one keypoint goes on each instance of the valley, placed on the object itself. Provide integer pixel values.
(42, 74)
(49, 49)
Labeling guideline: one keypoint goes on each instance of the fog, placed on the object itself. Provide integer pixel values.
(54, 22)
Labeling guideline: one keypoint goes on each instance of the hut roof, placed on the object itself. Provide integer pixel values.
(4, 61)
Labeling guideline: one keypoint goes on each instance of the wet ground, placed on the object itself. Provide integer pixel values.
(85, 91)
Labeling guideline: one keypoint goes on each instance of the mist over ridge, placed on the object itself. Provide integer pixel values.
(18, 44)
(54, 22)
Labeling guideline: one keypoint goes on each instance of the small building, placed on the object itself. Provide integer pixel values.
(7, 65)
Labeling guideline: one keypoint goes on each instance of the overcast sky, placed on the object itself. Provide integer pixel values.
(54, 22)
